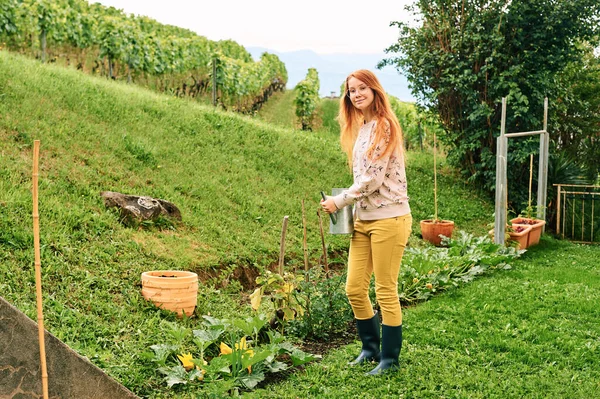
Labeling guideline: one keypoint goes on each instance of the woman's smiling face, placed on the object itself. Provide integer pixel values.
(360, 94)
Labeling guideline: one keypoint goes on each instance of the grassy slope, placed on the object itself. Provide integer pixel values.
(233, 177)
(280, 110)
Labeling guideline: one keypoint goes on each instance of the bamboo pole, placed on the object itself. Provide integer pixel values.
(530, 180)
(435, 219)
(38, 268)
(282, 244)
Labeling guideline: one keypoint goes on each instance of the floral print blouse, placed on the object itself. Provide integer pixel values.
(379, 189)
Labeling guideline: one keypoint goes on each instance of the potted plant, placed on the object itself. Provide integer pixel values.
(172, 290)
(527, 217)
(433, 229)
(517, 233)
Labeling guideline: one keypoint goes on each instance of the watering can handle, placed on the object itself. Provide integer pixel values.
(332, 216)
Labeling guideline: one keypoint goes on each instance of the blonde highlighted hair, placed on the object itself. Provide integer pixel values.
(350, 118)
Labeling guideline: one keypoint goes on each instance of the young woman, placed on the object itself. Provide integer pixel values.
(372, 139)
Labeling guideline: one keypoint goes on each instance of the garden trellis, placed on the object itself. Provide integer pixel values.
(501, 178)
(578, 212)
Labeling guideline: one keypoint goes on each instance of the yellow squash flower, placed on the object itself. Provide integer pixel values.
(186, 361)
(239, 346)
(225, 349)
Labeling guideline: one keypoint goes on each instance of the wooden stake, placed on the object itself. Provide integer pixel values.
(435, 180)
(304, 246)
(323, 243)
(282, 244)
(38, 268)
(530, 179)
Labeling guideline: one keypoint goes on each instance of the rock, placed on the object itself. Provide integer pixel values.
(139, 208)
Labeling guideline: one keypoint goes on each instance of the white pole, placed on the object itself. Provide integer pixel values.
(501, 189)
(543, 168)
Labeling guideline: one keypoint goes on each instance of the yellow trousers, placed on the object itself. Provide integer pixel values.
(377, 247)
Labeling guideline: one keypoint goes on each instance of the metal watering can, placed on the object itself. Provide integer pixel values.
(342, 220)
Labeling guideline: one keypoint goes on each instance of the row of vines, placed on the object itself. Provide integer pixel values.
(307, 98)
(106, 41)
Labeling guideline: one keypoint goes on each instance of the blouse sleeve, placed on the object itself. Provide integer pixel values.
(372, 174)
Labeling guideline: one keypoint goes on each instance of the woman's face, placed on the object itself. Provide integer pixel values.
(360, 94)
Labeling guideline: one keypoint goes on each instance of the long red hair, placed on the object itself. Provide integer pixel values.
(350, 118)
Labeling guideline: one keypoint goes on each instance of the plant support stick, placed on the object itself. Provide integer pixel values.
(38, 268)
(435, 218)
(304, 246)
(323, 243)
(282, 244)
(530, 179)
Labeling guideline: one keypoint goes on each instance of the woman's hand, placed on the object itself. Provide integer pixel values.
(328, 205)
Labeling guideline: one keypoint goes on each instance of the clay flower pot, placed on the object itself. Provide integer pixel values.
(536, 228)
(518, 233)
(432, 229)
(172, 290)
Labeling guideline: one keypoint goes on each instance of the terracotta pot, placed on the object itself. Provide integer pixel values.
(172, 290)
(521, 237)
(536, 228)
(431, 230)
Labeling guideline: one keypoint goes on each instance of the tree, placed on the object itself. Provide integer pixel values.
(462, 57)
(576, 122)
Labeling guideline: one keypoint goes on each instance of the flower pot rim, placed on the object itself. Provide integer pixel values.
(536, 220)
(174, 273)
(439, 221)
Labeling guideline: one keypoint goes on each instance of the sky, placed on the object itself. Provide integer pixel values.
(323, 26)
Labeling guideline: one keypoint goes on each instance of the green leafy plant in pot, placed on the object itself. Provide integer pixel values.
(527, 217)
(433, 229)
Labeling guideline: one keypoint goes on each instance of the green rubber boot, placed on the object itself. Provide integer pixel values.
(368, 331)
(391, 343)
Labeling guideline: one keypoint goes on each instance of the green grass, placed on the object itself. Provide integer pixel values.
(280, 110)
(531, 332)
(234, 178)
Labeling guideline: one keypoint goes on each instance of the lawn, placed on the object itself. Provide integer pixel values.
(530, 332)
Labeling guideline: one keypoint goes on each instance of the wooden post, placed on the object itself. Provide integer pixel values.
(592, 221)
(323, 243)
(501, 189)
(214, 81)
(558, 215)
(304, 246)
(38, 268)
(282, 244)
(582, 217)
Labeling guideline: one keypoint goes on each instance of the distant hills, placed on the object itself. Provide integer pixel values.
(333, 69)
